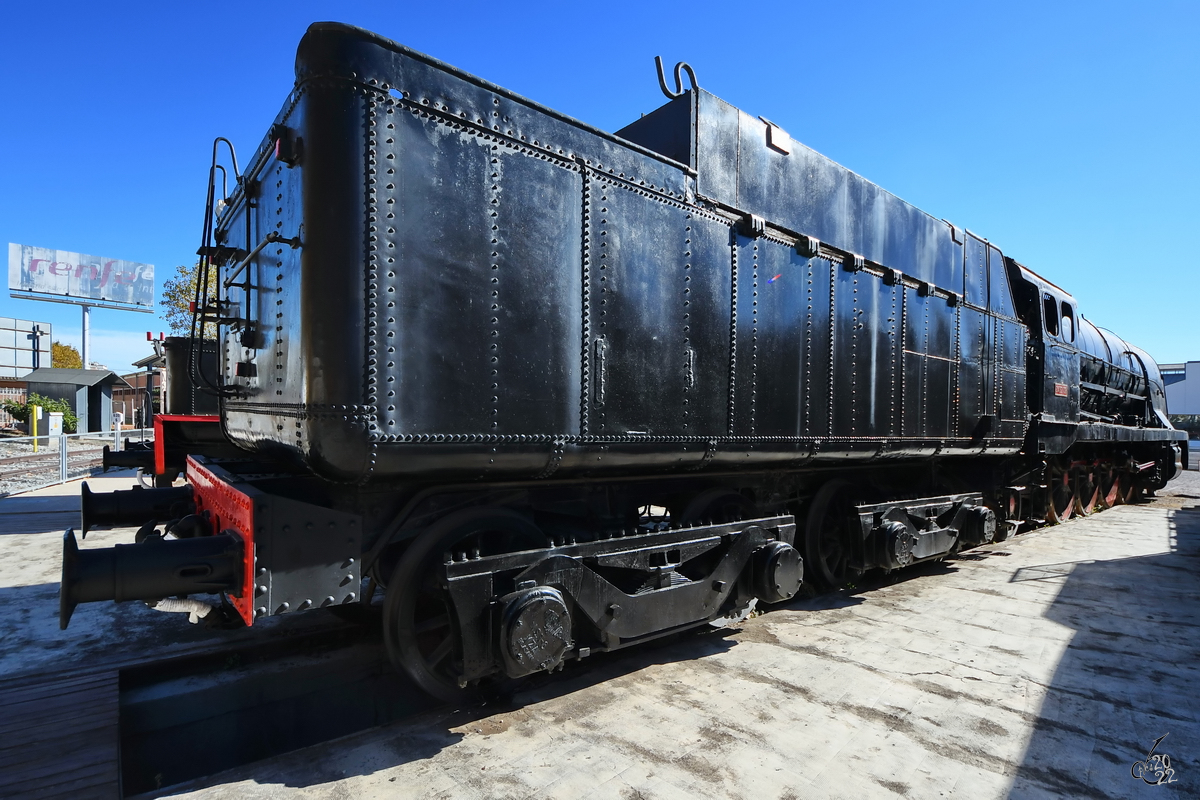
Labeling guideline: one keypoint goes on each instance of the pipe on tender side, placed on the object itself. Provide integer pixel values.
(132, 507)
(153, 570)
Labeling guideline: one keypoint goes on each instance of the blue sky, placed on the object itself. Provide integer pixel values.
(1065, 132)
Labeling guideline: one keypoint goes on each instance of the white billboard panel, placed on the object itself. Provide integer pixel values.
(38, 273)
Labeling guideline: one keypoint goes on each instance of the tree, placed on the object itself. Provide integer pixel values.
(64, 356)
(179, 292)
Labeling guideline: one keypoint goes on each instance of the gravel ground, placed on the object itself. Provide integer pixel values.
(18, 476)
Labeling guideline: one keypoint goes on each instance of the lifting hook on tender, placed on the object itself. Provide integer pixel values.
(662, 78)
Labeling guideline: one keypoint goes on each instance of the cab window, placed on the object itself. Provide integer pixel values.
(1068, 323)
(1050, 313)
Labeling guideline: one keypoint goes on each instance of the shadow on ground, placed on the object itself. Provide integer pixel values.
(1129, 676)
(420, 737)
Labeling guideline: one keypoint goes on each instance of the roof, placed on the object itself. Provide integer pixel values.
(78, 377)
(1030, 275)
(153, 360)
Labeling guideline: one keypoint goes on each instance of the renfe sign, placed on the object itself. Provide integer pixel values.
(36, 273)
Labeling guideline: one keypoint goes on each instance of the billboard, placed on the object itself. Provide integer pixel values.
(38, 273)
(24, 346)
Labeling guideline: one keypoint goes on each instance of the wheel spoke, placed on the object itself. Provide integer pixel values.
(440, 653)
(1087, 492)
(1110, 487)
(432, 624)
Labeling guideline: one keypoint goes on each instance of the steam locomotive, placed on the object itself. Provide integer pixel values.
(556, 391)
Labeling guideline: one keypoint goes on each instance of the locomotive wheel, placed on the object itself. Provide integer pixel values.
(1060, 498)
(1110, 487)
(419, 628)
(1008, 508)
(1087, 492)
(826, 538)
(718, 505)
(1126, 482)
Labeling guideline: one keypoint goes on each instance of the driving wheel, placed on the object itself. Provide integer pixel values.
(1060, 497)
(1087, 492)
(827, 535)
(420, 629)
(1110, 486)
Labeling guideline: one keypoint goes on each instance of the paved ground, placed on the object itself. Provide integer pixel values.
(31, 531)
(1041, 667)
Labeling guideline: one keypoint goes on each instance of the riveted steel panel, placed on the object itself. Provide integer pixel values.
(975, 273)
(847, 379)
(641, 280)
(480, 287)
(436, 289)
(817, 413)
(878, 353)
(774, 314)
(915, 331)
(706, 326)
(973, 383)
(938, 397)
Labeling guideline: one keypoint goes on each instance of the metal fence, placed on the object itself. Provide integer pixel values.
(17, 395)
(28, 463)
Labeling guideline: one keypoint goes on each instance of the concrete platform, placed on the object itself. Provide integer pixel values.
(1041, 667)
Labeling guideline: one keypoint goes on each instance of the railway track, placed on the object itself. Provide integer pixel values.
(26, 473)
(307, 685)
(37, 462)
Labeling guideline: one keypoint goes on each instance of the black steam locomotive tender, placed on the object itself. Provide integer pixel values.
(555, 391)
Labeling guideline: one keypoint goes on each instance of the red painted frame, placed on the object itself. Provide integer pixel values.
(229, 510)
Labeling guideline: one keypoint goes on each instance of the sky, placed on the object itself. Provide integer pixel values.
(1065, 132)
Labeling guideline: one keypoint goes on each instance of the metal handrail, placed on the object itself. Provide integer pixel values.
(105, 435)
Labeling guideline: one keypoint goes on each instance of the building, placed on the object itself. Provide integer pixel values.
(141, 396)
(24, 345)
(1183, 387)
(87, 391)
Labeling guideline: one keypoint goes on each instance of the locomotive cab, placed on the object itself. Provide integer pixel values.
(1097, 404)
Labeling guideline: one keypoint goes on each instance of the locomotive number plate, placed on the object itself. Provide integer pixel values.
(1060, 390)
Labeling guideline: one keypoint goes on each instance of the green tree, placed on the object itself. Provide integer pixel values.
(21, 411)
(179, 292)
(65, 356)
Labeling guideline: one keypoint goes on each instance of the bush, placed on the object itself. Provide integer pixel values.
(21, 411)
